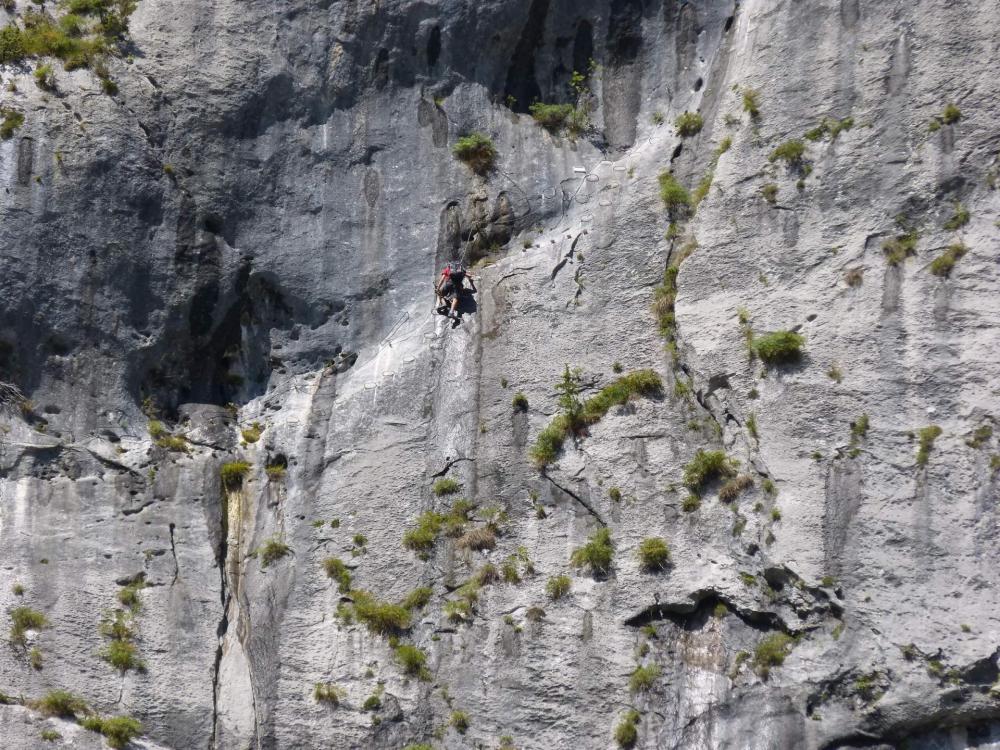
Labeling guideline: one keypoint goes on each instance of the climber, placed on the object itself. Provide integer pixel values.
(449, 289)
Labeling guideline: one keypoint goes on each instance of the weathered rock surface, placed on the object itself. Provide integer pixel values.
(248, 233)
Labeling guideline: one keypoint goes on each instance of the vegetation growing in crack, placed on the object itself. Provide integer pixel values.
(60, 703)
(85, 36)
(925, 442)
(252, 433)
(701, 190)
(577, 415)
(958, 219)
(643, 678)
(446, 486)
(626, 733)
(790, 152)
(413, 661)
(675, 196)
(11, 121)
(706, 466)
(859, 431)
(735, 487)
(665, 299)
(119, 731)
(232, 474)
(942, 265)
(431, 524)
(902, 246)
(272, 550)
(338, 571)
(829, 127)
(771, 652)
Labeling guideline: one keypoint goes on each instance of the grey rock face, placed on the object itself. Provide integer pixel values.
(248, 233)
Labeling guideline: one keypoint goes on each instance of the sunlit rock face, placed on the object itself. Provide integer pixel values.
(216, 295)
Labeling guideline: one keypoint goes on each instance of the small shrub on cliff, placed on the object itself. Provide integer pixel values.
(446, 486)
(380, 617)
(705, 466)
(477, 151)
(252, 433)
(558, 586)
(626, 733)
(674, 195)
(413, 661)
(123, 656)
(326, 692)
(24, 619)
(519, 402)
(552, 117)
(688, 124)
(596, 554)
(272, 550)
(60, 703)
(642, 678)
(459, 721)
(232, 474)
(12, 120)
(779, 346)
(958, 219)
(751, 102)
(771, 652)
(118, 730)
(942, 265)
(926, 437)
(654, 554)
(336, 570)
(790, 152)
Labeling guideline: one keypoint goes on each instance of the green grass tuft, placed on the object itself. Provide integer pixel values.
(751, 102)
(926, 437)
(60, 703)
(232, 474)
(338, 571)
(596, 554)
(552, 117)
(24, 619)
(942, 265)
(899, 248)
(477, 151)
(688, 124)
(413, 661)
(654, 554)
(958, 219)
(326, 692)
(642, 678)
(381, 618)
(790, 152)
(558, 586)
(777, 347)
(123, 656)
(951, 114)
(271, 551)
(446, 486)
(771, 652)
(674, 196)
(626, 733)
(118, 730)
(705, 466)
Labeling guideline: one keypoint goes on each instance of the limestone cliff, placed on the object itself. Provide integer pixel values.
(218, 235)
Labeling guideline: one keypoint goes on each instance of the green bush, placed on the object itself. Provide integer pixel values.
(674, 195)
(338, 571)
(380, 617)
(732, 489)
(951, 114)
(123, 656)
(50, 735)
(790, 152)
(626, 733)
(118, 730)
(446, 486)
(771, 652)
(926, 437)
(477, 151)
(770, 192)
(232, 474)
(958, 219)
(24, 619)
(705, 466)
(271, 551)
(942, 265)
(899, 248)
(552, 117)
(252, 433)
(417, 599)
(654, 554)
(412, 660)
(326, 692)
(751, 102)
(596, 554)
(12, 120)
(459, 721)
(128, 595)
(60, 703)
(423, 537)
(558, 586)
(520, 402)
(980, 436)
(777, 347)
(579, 415)
(12, 48)
(688, 124)
(642, 678)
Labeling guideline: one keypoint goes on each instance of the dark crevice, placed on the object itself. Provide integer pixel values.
(578, 499)
(693, 612)
(447, 467)
(173, 551)
(521, 88)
